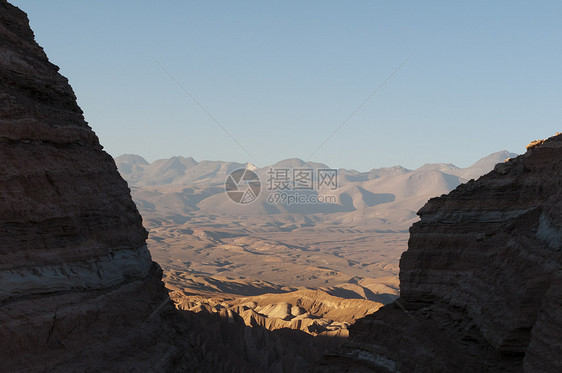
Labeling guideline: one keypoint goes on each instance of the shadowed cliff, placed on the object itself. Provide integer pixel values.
(78, 288)
(79, 291)
(480, 280)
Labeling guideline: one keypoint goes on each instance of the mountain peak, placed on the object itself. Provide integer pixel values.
(290, 162)
(443, 167)
(492, 159)
(132, 159)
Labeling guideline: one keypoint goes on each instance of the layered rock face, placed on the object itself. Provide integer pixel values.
(77, 283)
(481, 279)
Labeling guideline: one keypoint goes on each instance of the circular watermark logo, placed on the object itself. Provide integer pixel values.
(242, 186)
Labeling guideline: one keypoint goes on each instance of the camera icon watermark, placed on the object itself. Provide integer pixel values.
(242, 186)
(287, 186)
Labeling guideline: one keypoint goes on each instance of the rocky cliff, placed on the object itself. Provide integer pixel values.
(78, 288)
(481, 279)
(79, 291)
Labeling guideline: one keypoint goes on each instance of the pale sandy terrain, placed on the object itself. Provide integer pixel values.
(309, 256)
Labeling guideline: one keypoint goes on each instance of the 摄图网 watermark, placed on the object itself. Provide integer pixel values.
(287, 186)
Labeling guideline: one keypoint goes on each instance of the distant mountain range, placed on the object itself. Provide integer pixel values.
(382, 196)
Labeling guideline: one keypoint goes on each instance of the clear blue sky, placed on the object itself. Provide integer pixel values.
(281, 76)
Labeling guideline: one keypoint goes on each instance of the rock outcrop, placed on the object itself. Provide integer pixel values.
(312, 311)
(78, 288)
(79, 291)
(480, 281)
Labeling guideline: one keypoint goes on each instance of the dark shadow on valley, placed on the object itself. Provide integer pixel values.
(223, 343)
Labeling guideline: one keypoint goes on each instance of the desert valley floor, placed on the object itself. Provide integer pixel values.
(316, 268)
